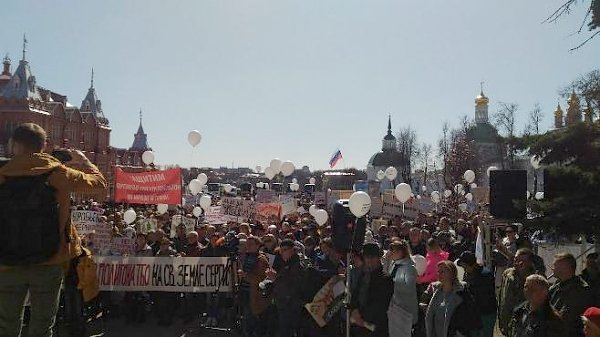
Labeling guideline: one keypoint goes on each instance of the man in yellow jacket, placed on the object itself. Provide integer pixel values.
(43, 281)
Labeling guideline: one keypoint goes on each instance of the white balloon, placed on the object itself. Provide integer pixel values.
(535, 162)
(294, 181)
(202, 178)
(403, 192)
(391, 173)
(275, 165)
(259, 184)
(473, 185)
(294, 187)
(359, 204)
(195, 186)
(312, 181)
(162, 208)
(321, 217)
(420, 263)
(458, 188)
(462, 207)
(129, 216)
(205, 202)
(539, 196)
(148, 157)
(228, 188)
(469, 176)
(490, 169)
(528, 195)
(197, 211)
(258, 169)
(380, 175)
(194, 138)
(447, 193)
(469, 196)
(435, 197)
(424, 188)
(269, 173)
(460, 271)
(287, 168)
(419, 196)
(312, 210)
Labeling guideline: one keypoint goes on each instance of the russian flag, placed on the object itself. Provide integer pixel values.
(337, 155)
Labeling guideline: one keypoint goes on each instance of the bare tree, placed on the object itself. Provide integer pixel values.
(407, 146)
(591, 18)
(425, 160)
(444, 146)
(535, 120)
(505, 119)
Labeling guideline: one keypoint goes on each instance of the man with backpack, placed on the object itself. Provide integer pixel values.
(38, 238)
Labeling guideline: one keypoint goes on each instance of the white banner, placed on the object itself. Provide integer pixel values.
(169, 274)
(84, 221)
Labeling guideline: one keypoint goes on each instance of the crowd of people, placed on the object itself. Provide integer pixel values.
(281, 267)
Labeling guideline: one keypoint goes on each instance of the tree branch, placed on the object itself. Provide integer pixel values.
(586, 41)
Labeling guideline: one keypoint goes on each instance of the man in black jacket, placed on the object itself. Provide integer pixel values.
(287, 292)
(480, 283)
(370, 301)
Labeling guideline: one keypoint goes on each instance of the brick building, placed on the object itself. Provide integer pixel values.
(85, 127)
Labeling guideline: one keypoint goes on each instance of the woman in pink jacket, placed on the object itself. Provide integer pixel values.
(434, 255)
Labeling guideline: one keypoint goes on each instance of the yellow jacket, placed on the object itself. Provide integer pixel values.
(86, 273)
(66, 181)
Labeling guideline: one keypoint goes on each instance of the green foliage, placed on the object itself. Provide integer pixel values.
(571, 157)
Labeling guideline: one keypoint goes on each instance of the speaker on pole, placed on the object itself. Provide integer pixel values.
(508, 194)
(348, 232)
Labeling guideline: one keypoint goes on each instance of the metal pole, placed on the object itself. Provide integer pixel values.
(348, 294)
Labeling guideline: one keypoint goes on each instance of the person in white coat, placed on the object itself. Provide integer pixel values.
(404, 274)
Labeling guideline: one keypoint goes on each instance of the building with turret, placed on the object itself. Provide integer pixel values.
(86, 128)
(389, 156)
(484, 137)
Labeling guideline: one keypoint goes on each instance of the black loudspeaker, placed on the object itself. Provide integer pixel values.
(348, 232)
(508, 194)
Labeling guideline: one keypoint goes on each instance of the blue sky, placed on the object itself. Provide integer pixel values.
(295, 79)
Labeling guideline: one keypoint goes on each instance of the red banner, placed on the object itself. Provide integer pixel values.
(152, 187)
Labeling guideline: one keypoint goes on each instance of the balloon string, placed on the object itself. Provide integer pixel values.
(402, 208)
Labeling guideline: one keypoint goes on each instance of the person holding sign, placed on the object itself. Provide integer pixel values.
(31, 261)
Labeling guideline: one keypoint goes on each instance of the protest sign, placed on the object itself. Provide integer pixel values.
(148, 225)
(152, 187)
(101, 239)
(190, 200)
(289, 205)
(190, 224)
(122, 245)
(84, 221)
(238, 209)
(268, 213)
(392, 207)
(214, 216)
(265, 196)
(327, 302)
(168, 274)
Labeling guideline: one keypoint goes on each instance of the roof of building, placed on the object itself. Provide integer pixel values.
(387, 158)
(483, 133)
(140, 139)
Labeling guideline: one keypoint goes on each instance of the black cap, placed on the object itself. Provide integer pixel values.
(371, 250)
(287, 243)
(467, 259)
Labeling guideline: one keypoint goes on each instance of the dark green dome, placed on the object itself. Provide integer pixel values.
(483, 133)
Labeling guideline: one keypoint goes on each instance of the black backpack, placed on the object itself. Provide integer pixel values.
(29, 221)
